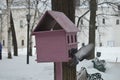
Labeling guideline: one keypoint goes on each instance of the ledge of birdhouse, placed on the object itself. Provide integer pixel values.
(33, 33)
(37, 32)
(73, 43)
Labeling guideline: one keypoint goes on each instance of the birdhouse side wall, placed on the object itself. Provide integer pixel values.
(72, 43)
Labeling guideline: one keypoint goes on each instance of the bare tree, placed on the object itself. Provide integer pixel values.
(14, 40)
(8, 2)
(11, 31)
(33, 23)
(36, 14)
(92, 25)
(92, 22)
(1, 21)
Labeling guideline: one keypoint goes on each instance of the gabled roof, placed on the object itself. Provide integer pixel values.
(53, 17)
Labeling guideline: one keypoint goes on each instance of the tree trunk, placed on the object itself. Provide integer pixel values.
(67, 7)
(33, 24)
(9, 29)
(1, 26)
(9, 43)
(92, 26)
(14, 40)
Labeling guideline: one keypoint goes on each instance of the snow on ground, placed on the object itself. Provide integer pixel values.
(112, 69)
(17, 69)
(111, 54)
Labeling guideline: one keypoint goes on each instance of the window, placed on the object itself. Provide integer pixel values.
(68, 39)
(103, 21)
(118, 7)
(100, 44)
(117, 21)
(3, 42)
(22, 42)
(71, 38)
(110, 43)
(75, 38)
(82, 21)
(21, 23)
(83, 44)
(69, 52)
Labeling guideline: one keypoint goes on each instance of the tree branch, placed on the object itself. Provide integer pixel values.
(81, 17)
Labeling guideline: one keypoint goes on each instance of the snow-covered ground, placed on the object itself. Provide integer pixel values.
(110, 54)
(112, 70)
(17, 69)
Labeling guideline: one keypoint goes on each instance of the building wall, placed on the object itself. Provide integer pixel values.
(108, 26)
(20, 23)
(106, 33)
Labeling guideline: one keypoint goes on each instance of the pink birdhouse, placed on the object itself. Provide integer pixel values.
(55, 36)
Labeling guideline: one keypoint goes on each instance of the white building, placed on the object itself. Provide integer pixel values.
(20, 23)
(107, 23)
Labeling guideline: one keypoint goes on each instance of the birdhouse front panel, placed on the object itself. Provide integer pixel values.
(51, 46)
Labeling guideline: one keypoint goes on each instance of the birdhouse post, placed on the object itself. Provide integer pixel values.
(55, 36)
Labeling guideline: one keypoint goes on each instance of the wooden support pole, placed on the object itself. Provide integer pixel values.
(58, 70)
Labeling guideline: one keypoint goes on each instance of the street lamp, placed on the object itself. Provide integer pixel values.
(28, 17)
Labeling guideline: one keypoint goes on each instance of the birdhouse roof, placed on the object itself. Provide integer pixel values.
(51, 18)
